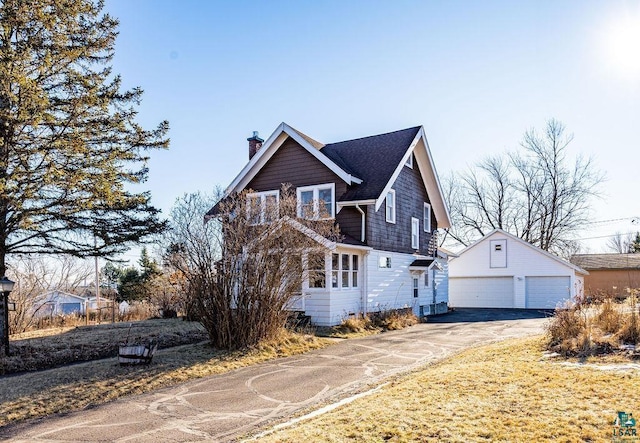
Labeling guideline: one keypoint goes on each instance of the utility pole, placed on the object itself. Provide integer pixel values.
(97, 290)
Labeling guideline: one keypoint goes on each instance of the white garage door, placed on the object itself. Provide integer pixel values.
(481, 292)
(547, 292)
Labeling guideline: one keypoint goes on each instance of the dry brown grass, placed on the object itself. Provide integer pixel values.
(502, 392)
(582, 329)
(375, 323)
(43, 349)
(70, 388)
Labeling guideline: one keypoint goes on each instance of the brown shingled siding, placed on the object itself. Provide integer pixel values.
(350, 221)
(410, 197)
(293, 164)
(604, 281)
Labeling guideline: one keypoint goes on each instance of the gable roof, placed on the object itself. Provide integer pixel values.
(499, 231)
(369, 165)
(607, 261)
(271, 146)
(372, 158)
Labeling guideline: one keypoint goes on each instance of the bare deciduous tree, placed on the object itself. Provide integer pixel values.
(245, 266)
(35, 275)
(536, 193)
(620, 243)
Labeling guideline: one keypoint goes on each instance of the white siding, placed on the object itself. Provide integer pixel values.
(522, 260)
(442, 281)
(390, 288)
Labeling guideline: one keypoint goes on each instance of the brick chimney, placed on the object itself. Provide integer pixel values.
(255, 143)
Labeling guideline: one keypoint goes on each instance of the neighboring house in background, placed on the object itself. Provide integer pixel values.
(104, 302)
(503, 271)
(612, 274)
(384, 193)
(58, 303)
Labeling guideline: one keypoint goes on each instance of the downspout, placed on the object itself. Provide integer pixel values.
(365, 264)
(365, 286)
(362, 232)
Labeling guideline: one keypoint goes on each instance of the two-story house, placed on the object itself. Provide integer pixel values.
(383, 192)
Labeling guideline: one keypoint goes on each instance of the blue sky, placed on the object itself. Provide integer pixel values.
(477, 75)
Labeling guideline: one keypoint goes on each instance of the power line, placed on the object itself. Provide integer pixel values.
(634, 220)
(606, 236)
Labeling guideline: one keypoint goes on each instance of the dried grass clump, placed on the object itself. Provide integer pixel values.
(609, 318)
(389, 320)
(396, 319)
(357, 324)
(583, 329)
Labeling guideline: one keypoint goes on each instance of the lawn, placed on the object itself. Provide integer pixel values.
(508, 391)
(49, 348)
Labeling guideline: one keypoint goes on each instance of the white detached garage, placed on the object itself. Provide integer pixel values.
(502, 271)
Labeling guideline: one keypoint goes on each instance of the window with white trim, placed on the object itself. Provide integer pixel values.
(409, 162)
(415, 287)
(391, 206)
(262, 207)
(344, 270)
(415, 233)
(384, 262)
(317, 273)
(426, 278)
(427, 217)
(316, 202)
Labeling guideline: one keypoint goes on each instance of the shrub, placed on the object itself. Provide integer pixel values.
(582, 330)
(609, 318)
(566, 325)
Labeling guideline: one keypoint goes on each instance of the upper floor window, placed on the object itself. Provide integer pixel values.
(262, 207)
(391, 206)
(317, 201)
(409, 162)
(415, 233)
(427, 217)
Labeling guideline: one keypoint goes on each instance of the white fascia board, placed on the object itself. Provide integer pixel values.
(359, 248)
(348, 178)
(345, 204)
(356, 202)
(432, 183)
(548, 254)
(397, 171)
(429, 178)
(271, 146)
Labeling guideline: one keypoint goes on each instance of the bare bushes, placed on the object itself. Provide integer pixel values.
(582, 329)
(246, 265)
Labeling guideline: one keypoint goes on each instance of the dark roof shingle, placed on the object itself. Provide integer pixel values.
(372, 159)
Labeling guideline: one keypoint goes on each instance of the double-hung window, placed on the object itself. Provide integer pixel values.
(427, 217)
(317, 274)
(316, 202)
(391, 206)
(415, 233)
(262, 207)
(344, 271)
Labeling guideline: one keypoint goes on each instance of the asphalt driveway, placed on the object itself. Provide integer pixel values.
(228, 406)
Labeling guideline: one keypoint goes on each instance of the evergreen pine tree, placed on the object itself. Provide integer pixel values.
(69, 142)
